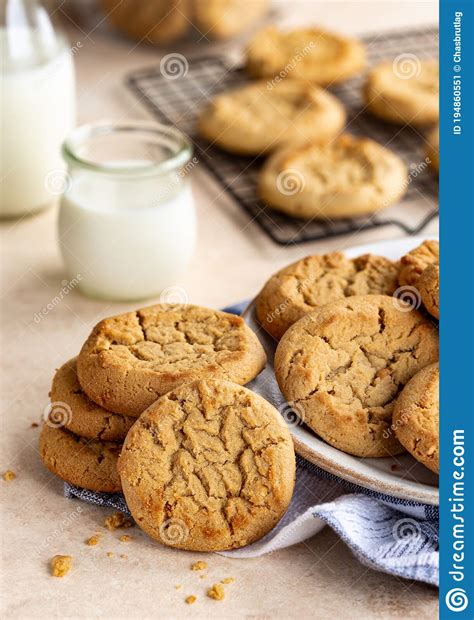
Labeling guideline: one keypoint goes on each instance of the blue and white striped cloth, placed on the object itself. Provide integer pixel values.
(385, 533)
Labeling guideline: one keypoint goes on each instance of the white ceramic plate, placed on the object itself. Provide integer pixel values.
(400, 476)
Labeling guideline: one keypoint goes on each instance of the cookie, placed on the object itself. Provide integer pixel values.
(315, 281)
(404, 91)
(209, 466)
(259, 117)
(415, 262)
(223, 19)
(416, 417)
(86, 463)
(81, 415)
(309, 54)
(131, 359)
(432, 148)
(343, 366)
(428, 286)
(346, 178)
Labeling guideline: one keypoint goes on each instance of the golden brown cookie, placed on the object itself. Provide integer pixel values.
(260, 117)
(81, 415)
(428, 285)
(415, 262)
(131, 359)
(86, 463)
(345, 364)
(416, 417)
(404, 91)
(309, 54)
(209, 466)
(222, 19)
(315, 281)
(347, 177)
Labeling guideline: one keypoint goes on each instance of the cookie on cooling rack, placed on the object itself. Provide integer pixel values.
(404, 91)
(308, 54)
(347, 177)
(261, 117)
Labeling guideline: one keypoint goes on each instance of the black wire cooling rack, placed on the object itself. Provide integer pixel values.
(179, 101)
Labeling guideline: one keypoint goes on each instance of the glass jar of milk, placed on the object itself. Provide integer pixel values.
(37, 107)
(127, 223)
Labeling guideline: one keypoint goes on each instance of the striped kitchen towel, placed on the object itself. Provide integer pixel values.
(385, 533)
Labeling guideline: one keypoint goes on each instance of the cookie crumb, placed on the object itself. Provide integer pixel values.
(124, 556)
(93, 540)
(216, 592)
(117, 520)
(199, 565)
(202, 576)
(125, 538)
(9, 475)
(34, 425)
(60, 565)
(228, 580)
(190, 599)
(178, 587)
(110, 554)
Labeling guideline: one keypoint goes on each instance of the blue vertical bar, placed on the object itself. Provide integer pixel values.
(457, 309)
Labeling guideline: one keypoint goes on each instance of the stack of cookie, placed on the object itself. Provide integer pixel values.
(352, 334)
(314, 171)
(208, 457)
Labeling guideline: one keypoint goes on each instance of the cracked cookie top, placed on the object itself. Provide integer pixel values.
(315, 281)
(131, 359)
(86, 463)
(344, 365)
(428, 286)
(416, 417)
(79, 413)
(415, 262)
(209, 466)
(346, 177)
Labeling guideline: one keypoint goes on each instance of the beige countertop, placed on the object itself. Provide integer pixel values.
(317, 579)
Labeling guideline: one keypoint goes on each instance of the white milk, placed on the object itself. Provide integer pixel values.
(127, 237)
(37, 111)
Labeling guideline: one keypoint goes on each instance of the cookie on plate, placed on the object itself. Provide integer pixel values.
(415, 262)
(404, 91)
(315, 281)
(416, 417)
(309, 54)
(79, 413)
(260, 117)
(432, 148)
(86, 463)
(131, 359)
(346, 178)
(209, 466)
(428, 285)
(343, 366)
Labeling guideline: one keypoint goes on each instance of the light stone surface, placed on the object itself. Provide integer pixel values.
(316, 579)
